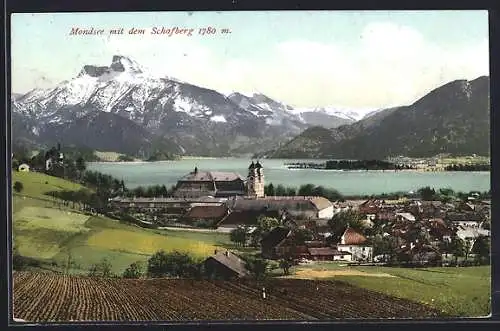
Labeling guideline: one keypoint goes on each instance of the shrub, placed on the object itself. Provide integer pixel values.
(18, 187)
(133, 271)
(174, 264)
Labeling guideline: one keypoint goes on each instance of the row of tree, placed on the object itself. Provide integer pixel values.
(175, 264)
(303, 190)
(361, 165)
(468, 167)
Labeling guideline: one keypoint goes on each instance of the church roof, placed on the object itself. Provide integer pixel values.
(252, 166)
(210, 176)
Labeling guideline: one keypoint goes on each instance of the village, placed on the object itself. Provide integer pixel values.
(415, 231)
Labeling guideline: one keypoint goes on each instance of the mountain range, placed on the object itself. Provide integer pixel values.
(453, 118)
(124, 108)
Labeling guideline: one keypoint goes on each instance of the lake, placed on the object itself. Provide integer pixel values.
(346, 182)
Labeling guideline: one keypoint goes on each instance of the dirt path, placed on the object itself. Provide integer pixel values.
(319, 274)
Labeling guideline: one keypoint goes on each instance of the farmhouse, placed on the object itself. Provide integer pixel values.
(355, 243)
(225, 265)
(271, 243)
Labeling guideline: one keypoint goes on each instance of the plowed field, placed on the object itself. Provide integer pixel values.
(39, 297)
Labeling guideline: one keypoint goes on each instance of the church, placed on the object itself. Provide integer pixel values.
(218, 184)
(247, 195)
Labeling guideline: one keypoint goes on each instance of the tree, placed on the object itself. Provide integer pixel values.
(258, 267)
(239, 235)
(101, 269)
(133, 271)
(174, 264)
(80, 165)
(286, 264)
(18, 187)
(280, 190)
(269, 190)
(341, 220)
(306, 190)
(457, 248)
(427, 193)
(482, 249)
(300, 236)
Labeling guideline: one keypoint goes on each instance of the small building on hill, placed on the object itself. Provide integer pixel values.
(356, 244)
(23, 168)
(225, 265)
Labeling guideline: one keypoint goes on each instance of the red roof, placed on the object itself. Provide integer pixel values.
(207, 212)
(351, 237)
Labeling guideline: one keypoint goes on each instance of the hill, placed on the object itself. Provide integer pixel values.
(50, 233)
(453, 118)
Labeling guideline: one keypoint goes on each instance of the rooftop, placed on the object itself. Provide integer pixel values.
(211, 176)
(232, 261)
(200, 212)
(351, 237)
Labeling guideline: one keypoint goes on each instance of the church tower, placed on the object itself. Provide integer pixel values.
(255, 180)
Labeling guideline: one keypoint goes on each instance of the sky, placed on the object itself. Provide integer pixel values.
(346, 59)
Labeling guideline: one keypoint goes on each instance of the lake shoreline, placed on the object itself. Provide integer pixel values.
(355, 182)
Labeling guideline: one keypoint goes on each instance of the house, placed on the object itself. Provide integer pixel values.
(23, 168)
(328, 254)
(210, 183)
(471, 234)
(225, 265)
(356, 244)
(236, 218)
(386, 215)
(464, 219)
(369, 207)
(53, 156)
(439, 229)
(405, 217)
(298, 207)
(212, 214)
(271, 242)
(280, 243)
(178, 206)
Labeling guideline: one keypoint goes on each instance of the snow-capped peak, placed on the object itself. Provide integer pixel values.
(345, 113)
(123, 63)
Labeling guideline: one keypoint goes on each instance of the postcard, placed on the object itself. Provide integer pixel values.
(250, 165)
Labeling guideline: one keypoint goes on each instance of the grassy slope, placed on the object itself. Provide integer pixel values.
(456, 291)
(36, 184)
(52, 234)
